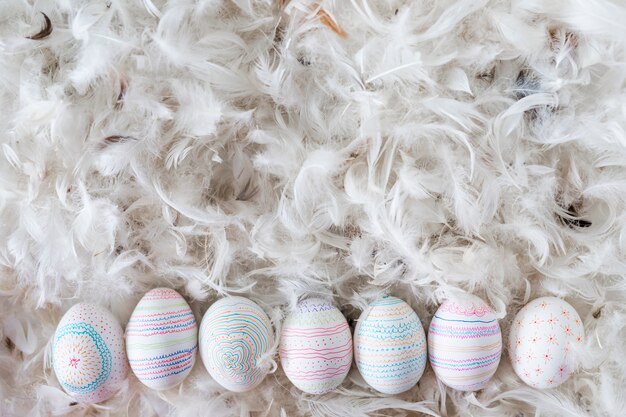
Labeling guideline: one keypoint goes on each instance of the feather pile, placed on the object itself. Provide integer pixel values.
(275, 149)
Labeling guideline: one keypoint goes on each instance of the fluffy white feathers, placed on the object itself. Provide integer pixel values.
(281, 148)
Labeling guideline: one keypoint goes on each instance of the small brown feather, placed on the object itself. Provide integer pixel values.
(330, 23)
(119, 103)
(573, 219)
(45, 31)
(9, 344)
(117, 139)
(555, 35)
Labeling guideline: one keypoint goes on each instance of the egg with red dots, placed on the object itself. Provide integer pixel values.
(544, 341)
(88, 354)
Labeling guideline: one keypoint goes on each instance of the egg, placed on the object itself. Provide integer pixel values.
(235, 338)
(542, 341)
(464, 343)
(390, 346)
(88, 353)
(316, 346)
(162, 339)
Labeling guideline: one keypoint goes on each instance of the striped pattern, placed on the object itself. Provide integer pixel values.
(316, 346)
(88, 353)
(161, 339)
(464, 343)
(390, 346)
(235, 335)
(456, 331)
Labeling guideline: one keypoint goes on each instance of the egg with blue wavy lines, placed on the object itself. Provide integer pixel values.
(235, 338)
(88, 354)
(464, 343)
(162, 339)
(390, 346)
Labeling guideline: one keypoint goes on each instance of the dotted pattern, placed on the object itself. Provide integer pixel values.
(390, 346)
(161, 339)
(88, 354)
(541, 340)
(464, 343)
(316, 346)
(89, 359)
(234, 335)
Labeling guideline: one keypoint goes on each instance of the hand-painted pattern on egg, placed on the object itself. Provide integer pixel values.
(162, 339)
(542, 340)
(316, 346)
(235, 335)
(390, 346)
(88, 353)
(464, 343)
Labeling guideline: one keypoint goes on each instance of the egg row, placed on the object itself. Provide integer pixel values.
(91, 353)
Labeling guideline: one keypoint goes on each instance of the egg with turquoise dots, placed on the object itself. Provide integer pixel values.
(235, 339)
(316, 346)
(88, 354)
(162, 339)
(464, 343)
(543, 342)
(390, 346)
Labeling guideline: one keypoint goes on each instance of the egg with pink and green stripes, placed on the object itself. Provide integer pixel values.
(390, 346)
(464, 343)
(316, 346)
(162, 339)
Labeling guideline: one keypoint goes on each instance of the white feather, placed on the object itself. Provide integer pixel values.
(252, 147)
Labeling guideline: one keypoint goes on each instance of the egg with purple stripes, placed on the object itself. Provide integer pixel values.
(162, 339)
(236, 339)
(88, 353)
(316, 346)
(464, 343)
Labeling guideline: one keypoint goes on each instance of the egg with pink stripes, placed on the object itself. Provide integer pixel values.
(464, 343)
(316, 346)
(162, 339)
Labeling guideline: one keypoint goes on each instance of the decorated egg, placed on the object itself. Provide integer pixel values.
(390, 346)
(88, 354)
(542, 342)
(161, 339)
(316, 346)
(464, 343)
(235, 338)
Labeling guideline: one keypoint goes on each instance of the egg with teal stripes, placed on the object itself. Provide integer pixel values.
(464, 343)
(236, 339)
(162, 339)
(390, 346)
(88, 354)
